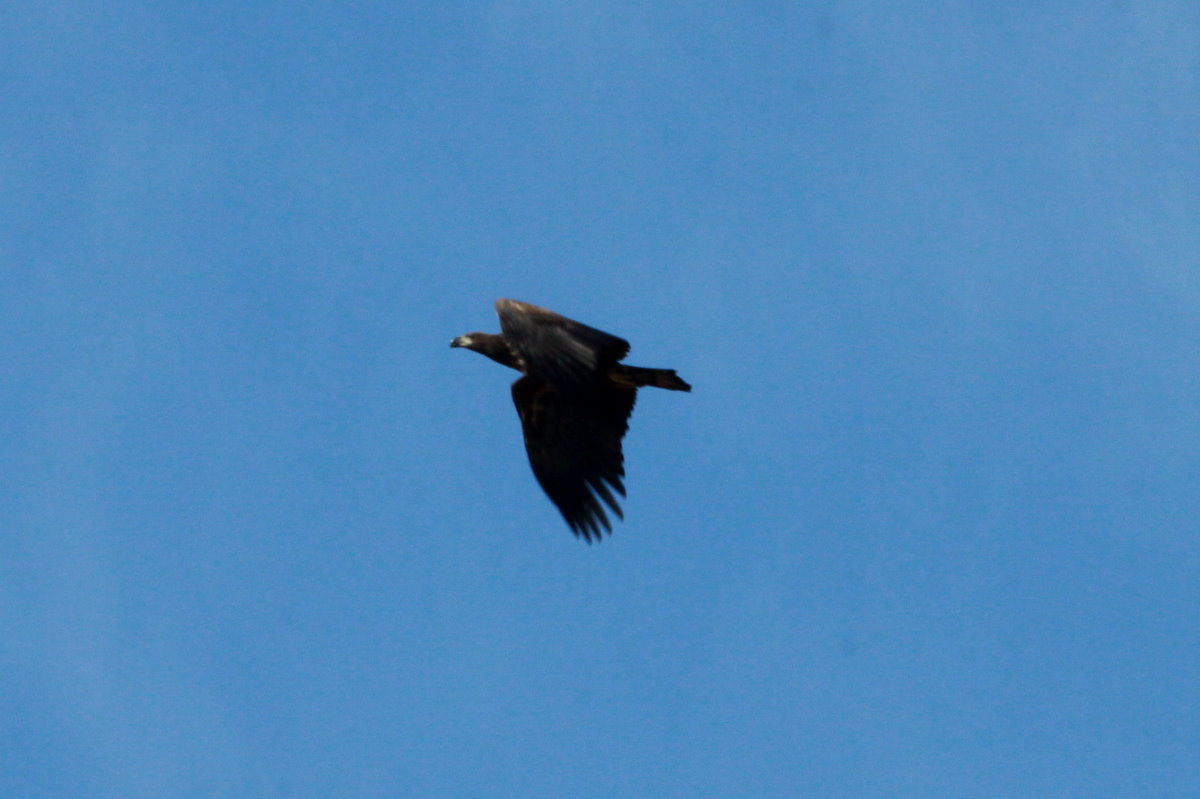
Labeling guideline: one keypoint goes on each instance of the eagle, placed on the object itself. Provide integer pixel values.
(574, 400)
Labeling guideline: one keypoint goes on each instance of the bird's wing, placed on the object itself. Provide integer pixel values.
(574, 446)
(567, 353)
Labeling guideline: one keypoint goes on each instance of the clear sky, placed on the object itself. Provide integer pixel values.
(926, 527)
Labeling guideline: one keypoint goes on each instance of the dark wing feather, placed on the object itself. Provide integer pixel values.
(567, 353)
(574, 446)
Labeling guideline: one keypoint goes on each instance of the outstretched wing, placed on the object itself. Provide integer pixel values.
(567, 353)
(574, 446)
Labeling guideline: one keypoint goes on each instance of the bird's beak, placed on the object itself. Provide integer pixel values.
(459, 341)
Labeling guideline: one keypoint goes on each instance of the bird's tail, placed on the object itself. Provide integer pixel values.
(641, 376)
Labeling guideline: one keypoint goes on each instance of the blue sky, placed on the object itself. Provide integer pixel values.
(926, 527)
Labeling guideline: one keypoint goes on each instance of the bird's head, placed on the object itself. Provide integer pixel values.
(469, 341)
(492, 345)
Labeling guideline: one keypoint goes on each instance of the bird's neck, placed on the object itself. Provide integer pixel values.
(496, 348)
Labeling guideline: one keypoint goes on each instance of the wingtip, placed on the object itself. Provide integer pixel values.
(591, 529)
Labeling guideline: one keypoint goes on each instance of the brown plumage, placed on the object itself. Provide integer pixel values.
(574, 402)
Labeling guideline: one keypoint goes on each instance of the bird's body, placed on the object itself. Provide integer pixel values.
(574, 400)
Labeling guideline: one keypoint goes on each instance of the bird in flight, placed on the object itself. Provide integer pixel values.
(574, 400)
